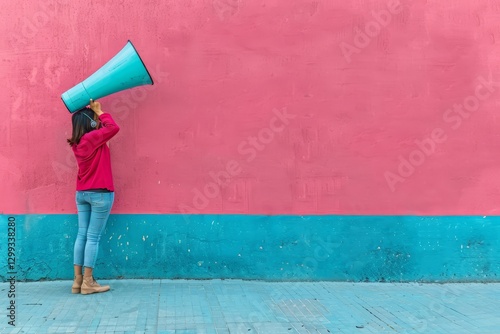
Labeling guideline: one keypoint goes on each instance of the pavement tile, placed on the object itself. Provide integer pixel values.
(236, 306)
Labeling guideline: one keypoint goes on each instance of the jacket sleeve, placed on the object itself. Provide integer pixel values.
(107, 131)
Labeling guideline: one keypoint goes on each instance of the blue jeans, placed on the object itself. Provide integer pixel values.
(93, 212)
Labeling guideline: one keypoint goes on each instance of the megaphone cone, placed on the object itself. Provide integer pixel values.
(123, 71)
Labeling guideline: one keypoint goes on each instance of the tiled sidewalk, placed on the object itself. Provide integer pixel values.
(235, 306)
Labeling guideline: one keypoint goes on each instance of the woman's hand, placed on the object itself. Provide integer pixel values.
(96, 107)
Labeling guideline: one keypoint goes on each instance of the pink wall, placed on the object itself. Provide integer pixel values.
(359, 105)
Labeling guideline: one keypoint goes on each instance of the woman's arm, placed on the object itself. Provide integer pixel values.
(107, 130)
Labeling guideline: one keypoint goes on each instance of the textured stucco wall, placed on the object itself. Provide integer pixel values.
(269, 109)
(375, 89)
(339, 248)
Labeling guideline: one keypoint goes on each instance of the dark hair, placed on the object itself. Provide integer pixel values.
(81, 125)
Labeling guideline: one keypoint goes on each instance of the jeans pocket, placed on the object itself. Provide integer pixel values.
(96, 199)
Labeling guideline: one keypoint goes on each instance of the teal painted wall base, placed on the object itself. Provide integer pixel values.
(276, 248)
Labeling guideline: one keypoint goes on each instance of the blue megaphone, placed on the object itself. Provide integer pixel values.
(123, 71)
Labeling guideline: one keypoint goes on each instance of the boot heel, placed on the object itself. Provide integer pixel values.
(77, 284)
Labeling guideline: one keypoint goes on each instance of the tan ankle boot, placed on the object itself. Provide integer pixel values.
(77, 284)
(89, 285)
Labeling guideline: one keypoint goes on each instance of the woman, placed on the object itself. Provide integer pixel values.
(92, 128)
